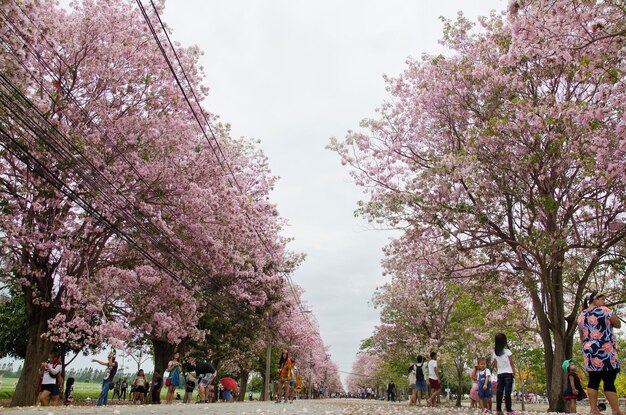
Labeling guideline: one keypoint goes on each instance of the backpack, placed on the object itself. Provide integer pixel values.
(419, 372)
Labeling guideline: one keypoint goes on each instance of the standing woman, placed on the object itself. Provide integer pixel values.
(173, 380)
(284, 367)
(503, 362)
(140, 383)
(109, 375)
(49, 391)
(595, 327)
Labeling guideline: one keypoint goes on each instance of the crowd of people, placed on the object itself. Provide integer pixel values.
(601, 365)
(495, 374)
(287, 388)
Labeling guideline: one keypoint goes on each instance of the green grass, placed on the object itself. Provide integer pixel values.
(82, 390)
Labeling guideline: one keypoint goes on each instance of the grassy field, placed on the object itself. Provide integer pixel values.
(82, 390)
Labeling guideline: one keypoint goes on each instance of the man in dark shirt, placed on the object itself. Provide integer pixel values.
(391, 392)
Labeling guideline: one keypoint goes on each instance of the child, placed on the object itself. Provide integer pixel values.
(190, 385)
(573, 389)
(474, 390)
(503, 362)
(69, 391)
(485, 393)
(157, 384)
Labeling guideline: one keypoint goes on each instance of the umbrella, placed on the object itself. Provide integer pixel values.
(203, 368)
(229, 383)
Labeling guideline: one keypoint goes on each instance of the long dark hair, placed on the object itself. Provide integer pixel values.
(283, 359)
(501, 344)
(590, 299)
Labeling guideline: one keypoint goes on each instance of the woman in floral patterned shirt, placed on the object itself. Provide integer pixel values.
(595, 326)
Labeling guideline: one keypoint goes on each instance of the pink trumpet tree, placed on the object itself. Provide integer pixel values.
(512, 146)
(366, 372)
(109, 123)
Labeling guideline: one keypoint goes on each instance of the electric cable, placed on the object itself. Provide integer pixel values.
(225, 165)
(134, 244)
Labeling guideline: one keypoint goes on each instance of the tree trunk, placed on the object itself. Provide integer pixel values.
(459, 390)
(163, 352)
(243, 385)
(555, 379)
(37, 351)
(556, 342)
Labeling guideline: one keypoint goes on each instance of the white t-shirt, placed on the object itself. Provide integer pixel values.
(485, 373)
(432, 365)
(50, 374)
(504, 366)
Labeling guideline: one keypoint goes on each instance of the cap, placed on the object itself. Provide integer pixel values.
(566, 364)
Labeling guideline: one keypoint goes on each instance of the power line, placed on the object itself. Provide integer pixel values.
(12, 100)
(97, 182)
(356, 374)
(68, 94)
(225, 165)
(20, 151)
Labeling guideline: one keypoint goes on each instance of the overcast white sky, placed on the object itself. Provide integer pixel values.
(293, 74)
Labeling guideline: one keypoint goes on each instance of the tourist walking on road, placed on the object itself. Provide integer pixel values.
(50, 392)
(595, 327)
(485, 393)
(417, 381)
(116, 390)
(391, 391)
(285, 373)
(433, 379)
(293, 381)
(109, 374)
(503, 362)
(173, 379)
(123, 389)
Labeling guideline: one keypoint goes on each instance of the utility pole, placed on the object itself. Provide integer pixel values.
(268, 359)
(311, 365)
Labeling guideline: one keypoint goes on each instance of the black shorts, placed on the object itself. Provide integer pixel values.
(50, 387)
(606, 376)
(140, 389)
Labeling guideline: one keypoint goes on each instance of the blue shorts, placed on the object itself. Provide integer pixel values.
(292, 383)
(227, 396)
(420, 385)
